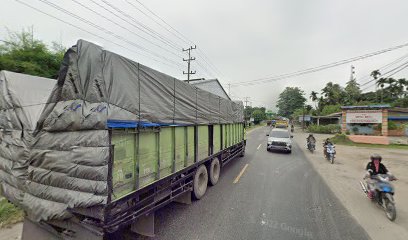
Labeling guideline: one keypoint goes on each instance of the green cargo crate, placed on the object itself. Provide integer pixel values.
(190, 146)
(148, 157)
(124, 159)
(166, 145)
(162, 152)
(203, 142)
(217, 138)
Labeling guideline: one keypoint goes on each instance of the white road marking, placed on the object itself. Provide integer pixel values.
(240, 174)
(259, 146)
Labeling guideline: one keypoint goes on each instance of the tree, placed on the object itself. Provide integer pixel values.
(23, 54)
(329, 109)
(375, 74)
(314, 98)
(333, 94)
(258, 116)
(289, 100)
(353, 92)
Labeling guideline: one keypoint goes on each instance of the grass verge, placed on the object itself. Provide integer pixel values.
(9, 214)
(252, 127)
(344, 140)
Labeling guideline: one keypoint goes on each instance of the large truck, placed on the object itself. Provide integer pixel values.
(114, 142)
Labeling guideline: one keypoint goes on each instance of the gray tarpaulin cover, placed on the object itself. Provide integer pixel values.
(22, 99)
(69, 151)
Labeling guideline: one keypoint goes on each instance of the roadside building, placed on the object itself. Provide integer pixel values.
(377, 120)
(211, 85)
(334, 118)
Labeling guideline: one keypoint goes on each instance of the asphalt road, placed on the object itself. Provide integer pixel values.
(279, 196)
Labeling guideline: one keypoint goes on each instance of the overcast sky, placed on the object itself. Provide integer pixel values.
(245, 40)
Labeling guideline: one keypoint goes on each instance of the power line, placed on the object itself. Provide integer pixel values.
(188, 41)
(390, 71)
(107, 31)
(163, 39)
(157, 22)
(318, 68)
(179, 35)
(127, 29)
(368, 76)
(395, 71)
(89, 32)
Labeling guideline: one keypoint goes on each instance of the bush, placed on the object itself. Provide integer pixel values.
(392, 125)
(330, 128)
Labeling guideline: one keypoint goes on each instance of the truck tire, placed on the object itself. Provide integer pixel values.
(242, 154)
(200, 182)
(214, 170)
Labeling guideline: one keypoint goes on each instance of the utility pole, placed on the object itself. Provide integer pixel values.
(303, 118)
(246, 101)
(188, 73)
(246, 110)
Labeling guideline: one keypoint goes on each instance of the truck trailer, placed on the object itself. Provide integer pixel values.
(114, 142)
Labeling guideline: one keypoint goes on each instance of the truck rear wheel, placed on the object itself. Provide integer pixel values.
(200, 182)
(214, 169)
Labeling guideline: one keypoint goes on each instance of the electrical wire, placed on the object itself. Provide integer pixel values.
(89, 32)
(108, 32)
(206, 60)
(401, 67)
(318, 68)
(159, 36)
(381, 69)
(127, 29)
(405, 64)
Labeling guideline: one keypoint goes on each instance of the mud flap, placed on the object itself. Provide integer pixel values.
(144, 225)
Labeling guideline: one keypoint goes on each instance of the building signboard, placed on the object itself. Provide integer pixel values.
(366, 116)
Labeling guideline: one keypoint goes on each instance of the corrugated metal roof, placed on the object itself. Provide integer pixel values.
(398, 109)
(212, 86)
(367, 106)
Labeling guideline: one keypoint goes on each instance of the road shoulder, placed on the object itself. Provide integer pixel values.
(343, 178)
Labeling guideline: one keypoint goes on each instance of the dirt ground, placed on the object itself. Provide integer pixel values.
(343, 178)
(11, 233)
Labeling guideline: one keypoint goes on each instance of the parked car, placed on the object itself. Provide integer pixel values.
(279, 139)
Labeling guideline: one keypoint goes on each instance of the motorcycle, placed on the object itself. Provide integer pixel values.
(383, 194)
(330, 152)
(311, 145)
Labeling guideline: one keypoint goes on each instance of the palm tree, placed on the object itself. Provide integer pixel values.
(313, 97)
(402, 84)
(375, 74)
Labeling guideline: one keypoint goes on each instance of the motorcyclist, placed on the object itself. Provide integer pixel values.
(325, 143)
(310, 139)
(373, 168)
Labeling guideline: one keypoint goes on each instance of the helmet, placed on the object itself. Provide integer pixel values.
(310, 135)
(375, 156)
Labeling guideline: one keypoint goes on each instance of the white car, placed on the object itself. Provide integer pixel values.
(279, 139)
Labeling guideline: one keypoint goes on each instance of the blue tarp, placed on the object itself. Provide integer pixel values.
(398, 118)
(135, 124)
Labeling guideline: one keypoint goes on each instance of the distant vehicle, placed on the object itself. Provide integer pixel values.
(279, 139)
(330, 152)
(282, 123)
